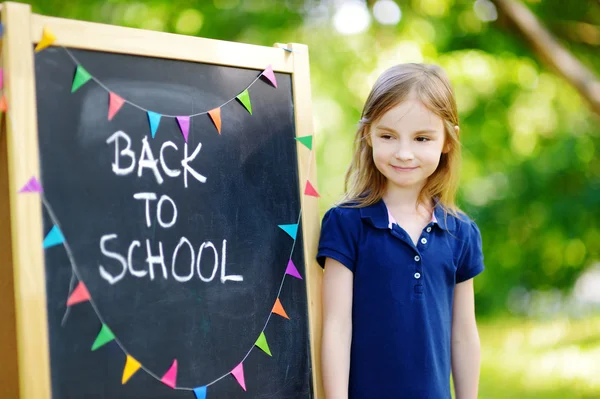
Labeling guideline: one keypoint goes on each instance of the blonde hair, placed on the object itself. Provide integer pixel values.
(364, 184)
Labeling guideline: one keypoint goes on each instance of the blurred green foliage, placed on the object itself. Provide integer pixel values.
(531, 171)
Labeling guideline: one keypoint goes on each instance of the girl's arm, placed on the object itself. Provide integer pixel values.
(465, 342)
(337, 329)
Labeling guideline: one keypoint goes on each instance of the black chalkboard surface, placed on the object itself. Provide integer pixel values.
(208, 320)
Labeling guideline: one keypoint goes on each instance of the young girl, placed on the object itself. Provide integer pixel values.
(399, 256)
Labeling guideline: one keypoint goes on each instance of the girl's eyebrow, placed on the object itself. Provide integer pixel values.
(421, 131)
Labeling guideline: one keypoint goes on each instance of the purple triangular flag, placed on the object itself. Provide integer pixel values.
(292, 271)
(32, 186)
(268, 73)
(184, 125)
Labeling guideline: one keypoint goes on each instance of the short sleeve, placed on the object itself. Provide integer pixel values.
(471, 259)
(338, 237)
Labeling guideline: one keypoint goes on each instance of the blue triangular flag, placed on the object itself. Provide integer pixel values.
(154, 119)
(200, 392)
(291, 229)
(53, 238)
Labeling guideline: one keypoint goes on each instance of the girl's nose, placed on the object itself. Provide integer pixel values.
(404, 153)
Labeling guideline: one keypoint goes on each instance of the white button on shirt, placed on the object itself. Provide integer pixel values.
(423, 240)
(428, 229)
(417, 258)
(417, 275)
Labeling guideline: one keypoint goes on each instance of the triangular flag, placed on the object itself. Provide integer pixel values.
(278, 309)
(32, 186)
(310, 190)
(53, 238)
(154, 119)
(170, 376)
(79, 294)
(114, 104)
(306, 140)
(268, 73)
(200, 392)
(291, 229)
(292, 271)
(103, 338)
(184, 125)
(1, 78)
(81, 78)
(215, 115)
(131, 366)
(47, 39)
(244, 98)
(238, 373)
(261, 342)
(3, 103)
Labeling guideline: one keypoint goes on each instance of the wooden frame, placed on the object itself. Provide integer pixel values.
(26, 372)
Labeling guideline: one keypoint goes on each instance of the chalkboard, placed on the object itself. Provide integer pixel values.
(231, 192)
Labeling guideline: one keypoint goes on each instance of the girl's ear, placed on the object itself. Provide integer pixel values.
(447, 145)
(367, 136)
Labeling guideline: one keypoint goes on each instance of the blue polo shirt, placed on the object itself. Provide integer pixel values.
(402, 298)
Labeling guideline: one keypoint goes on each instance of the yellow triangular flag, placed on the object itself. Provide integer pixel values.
(47, 39)
(131, 366)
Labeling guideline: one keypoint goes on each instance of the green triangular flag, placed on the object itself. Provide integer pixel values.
(81, 77)
(244, 98)
(306, 140)
(261, 342)
(104, 337)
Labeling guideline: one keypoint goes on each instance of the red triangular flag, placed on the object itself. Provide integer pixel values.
(278, 309)
(215, 115)
(310, 190)
(268, 73)
(3, 104)
(170, 377)
(238, 373)
(79, 294)
(114, 104)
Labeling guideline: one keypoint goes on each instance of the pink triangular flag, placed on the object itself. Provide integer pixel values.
(292, 271)
(32, 186)
(310, 190)
(114, 104)
(268, 73)
(170, 376)
(1, 78)
(184, 125)
(238, 373)
(79, 294)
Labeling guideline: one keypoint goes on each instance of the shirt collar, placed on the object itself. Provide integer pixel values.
(377, 215)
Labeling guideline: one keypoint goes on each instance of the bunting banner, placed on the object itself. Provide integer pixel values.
(79, 294)
(55, 237)
(131, 367)
(32, 186)
(104, 337)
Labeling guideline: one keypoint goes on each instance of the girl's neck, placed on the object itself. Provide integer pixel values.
(404, 199)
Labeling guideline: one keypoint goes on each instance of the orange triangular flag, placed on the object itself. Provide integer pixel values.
(131, 366)
(114, 104)
(3, 104)
(215, 115)
(310, 190)
(79, 294)
(278, 309)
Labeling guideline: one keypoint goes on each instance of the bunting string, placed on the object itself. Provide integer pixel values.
(92, 77)
(79, 293)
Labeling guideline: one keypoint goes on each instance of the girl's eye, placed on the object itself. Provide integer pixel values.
(386, 136)
(422, 139)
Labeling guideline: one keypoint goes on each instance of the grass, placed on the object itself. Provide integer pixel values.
(550, 359)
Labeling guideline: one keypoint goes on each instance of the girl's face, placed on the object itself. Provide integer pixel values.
(407, 143)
